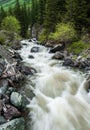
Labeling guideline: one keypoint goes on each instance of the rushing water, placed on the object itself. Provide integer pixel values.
(61, 99)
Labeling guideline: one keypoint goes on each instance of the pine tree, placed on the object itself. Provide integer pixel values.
(3, 14)
(41, 11)
(24, 20)
(17, 10)
(76, 12)
(50, 15)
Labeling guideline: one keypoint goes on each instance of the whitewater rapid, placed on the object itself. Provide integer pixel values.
(61, 100)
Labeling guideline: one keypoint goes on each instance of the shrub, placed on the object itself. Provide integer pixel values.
(2, 38)
(78, 47)
(64, 33)
(42, 37)
(10, 23)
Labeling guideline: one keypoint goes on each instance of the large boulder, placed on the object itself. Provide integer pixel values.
(58, 56)
(35, 49)
(18, 100)
(16, 124)
(59, 47)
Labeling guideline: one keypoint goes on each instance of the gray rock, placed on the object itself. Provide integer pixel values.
(35, 49)
(11, 112)
(2, 120)
(18, 100)
(58, 56)
(11, 89)
(59, 47)
(17, 45)
(3, 86)
(27, 70)
(31, 57)
(5, 99)
(16, 124)
(1, 106)
(1, 69)
(68, 62)
(17, 56)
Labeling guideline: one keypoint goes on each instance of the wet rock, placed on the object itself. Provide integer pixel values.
(59, 47)
(25, 44)
(5, 99)
(3, 86)
(87, 85)
(27, 70)
(29, 40)
(58, 56)
(2, 67)
(16, 79)
(11, 89)
(17, 56)
(17, 45)
(31, 57)
(2, 120)
(68, 62)
(87, 69)
(79, 65)
(82, 63)
(16, 124)
(49, 45)
(35, 49)
(11, 112)
(1, 106)
(18, 100)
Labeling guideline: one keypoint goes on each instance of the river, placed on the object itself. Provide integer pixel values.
(61, 100)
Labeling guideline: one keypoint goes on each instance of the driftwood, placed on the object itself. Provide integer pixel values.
(9, 70)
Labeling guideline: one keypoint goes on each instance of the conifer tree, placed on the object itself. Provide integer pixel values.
(3, 14)
(76, 12)
(41, 11)
(50, 15)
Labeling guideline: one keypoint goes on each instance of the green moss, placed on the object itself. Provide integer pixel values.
(78, 47)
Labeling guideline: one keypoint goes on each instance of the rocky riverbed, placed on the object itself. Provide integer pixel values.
(13, 73)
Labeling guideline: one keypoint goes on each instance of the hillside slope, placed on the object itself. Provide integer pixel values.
(10, 3)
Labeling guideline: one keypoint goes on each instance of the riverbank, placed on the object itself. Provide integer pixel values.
(13, 74)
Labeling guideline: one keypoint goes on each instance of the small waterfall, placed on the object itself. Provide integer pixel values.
(61, 100)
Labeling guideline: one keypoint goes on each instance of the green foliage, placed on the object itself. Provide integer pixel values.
(76, 12)
(11, 3)
(50, 15)
(2, 39)
(78, 47)
(64, 32)
(10, 23)
(42, 37)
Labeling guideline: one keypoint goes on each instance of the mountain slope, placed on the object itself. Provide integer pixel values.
(10, 3)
